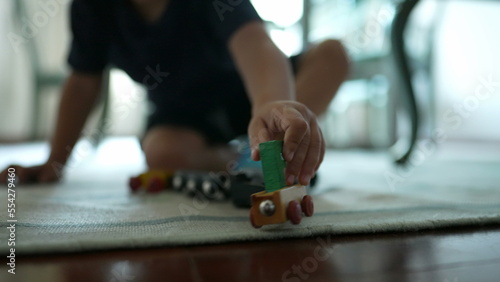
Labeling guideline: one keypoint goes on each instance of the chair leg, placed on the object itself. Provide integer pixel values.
(36, 111)
(397, 39)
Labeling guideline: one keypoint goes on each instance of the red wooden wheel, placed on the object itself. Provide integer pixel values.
(252, 219)
(134, 183)
(156, 185)
(307, 205)
(294, 212)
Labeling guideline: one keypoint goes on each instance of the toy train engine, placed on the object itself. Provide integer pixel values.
(278, 203)
(279, 206)
(212, 186)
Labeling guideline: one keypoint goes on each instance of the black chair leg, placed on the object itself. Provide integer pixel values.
(398, 46)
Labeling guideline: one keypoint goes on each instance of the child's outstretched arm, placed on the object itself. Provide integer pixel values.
(275, 112)
(79, 95)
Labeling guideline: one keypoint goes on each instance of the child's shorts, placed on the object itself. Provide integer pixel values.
(221, 117)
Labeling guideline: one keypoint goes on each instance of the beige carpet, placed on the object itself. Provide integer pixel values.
(92, 208)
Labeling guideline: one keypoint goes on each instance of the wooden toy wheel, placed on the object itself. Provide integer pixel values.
(192, 185)
(155, 185)
(178, 181)
(294, 212)
(252, 218)
(134, 183)
(307, 205)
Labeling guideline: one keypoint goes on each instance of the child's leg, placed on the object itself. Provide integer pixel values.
(320, 72)
(172, 148)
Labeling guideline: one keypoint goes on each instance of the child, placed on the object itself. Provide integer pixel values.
(212, 73)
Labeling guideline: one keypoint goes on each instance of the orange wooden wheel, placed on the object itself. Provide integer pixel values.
(294, 212)
(307, 205)
(252, 218)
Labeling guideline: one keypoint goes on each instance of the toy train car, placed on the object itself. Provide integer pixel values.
(152, 181)
(195, 183)
(278, 203)
(280, 206)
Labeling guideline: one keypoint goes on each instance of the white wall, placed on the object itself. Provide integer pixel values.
(13, 86)
(467, 53)
(44, 23)
(49, 28)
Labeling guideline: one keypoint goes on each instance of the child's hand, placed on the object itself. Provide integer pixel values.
(35, 174)
(293, 122)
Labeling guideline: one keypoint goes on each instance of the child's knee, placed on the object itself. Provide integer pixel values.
(333, 53)
(171, 149)
(166, 157)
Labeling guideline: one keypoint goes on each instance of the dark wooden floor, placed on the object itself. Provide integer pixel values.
(457, 255)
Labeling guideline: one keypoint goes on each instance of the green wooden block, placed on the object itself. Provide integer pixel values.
(273, 165)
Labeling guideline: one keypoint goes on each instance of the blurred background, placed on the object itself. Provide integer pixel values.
(453, 48)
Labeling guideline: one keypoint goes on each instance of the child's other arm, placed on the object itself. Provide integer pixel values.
(79, 95)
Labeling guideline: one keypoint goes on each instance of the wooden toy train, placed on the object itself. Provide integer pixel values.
(278, 203)
(270, 201)
(208, 185)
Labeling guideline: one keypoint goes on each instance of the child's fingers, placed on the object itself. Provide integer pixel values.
(300, 141)
(296, 130)
(303, 147)
(27, 175)
(258, 133)
(18, 172)
(313, 156)
(22, 175)
(322, 150)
